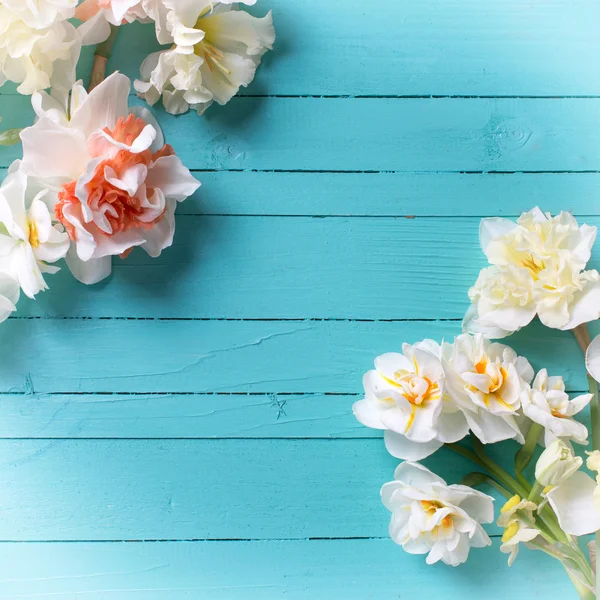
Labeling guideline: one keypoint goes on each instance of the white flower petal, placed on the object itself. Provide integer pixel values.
(573, 503)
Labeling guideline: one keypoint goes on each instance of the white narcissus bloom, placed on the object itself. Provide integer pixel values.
(28, 239)
(39, 14)
(31, 55)
(405, 396)
(114, 181)
(431, 517)
(215, 51)
(502, 300)
(556, 464)
(516, 517)
(9, 295)
(592, 358)
(486, 381)
(547, 404)
(576, 502)
(538, 268)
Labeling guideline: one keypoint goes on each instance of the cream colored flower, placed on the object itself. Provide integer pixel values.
(405, 396)
(486, 381)
(556, 464)
(214, 51)
(28, 239)
(516, 517)
(547, 403)
(431, 517)
(539, 264)
(30, 56)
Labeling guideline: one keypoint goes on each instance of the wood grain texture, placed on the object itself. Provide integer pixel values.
(232, 356)
(320, 570)
(388, 194)
(282, 268)
(203, 489)
(447, 134)
(172, 402)
(401, 47)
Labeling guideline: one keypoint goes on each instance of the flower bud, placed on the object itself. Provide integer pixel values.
(556, 464)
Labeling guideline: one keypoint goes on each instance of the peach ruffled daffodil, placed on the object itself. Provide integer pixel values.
(434, 518)
(405, 396)
(538, 268)
(115, 183)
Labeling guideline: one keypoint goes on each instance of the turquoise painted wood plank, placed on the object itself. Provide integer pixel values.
(201, 489)
(250, 268)
(154, 356)
(174, 415)
(197, 416)
(446, 134)
(320, 570)
(390, 194)
(393, 194)
(400, 47)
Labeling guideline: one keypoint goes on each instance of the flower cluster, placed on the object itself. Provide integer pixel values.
(96, 178)
(538, 268)
(430, 395)
(473, 392)
(214, 48)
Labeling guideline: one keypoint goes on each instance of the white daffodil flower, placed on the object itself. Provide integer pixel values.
(576, 504)
(405, 396)
(9, 294)
(39, 14)
(31, 55)
(214, 51)
(556, 464)
(114, 181)
(592, 358)
(502, 299)
(547, 403)
(516, 517)
(431, 517)
(538, 268)
(28, 239)
(486, 381)
(99, 15)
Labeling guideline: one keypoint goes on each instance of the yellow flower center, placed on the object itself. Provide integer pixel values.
(510, 532)
(34, 240)
(532, 265)
(511, 503)
(431, 507)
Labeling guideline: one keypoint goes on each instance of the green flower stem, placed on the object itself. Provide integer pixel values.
(101, 55)
(525, 453)
(10, 137)
(595, 417)
(536, 492)
(507, 481)
(476, 478)
(520, 488)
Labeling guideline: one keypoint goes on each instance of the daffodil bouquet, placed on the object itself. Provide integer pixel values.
(474, 392)
(97, 179)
